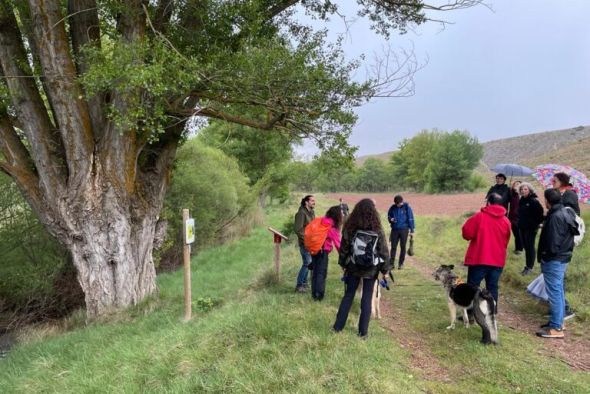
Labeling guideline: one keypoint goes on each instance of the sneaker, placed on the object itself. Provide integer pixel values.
(301, 289)
(401, 266)
(546, 327)
(526, 271)
(517, 252)
(569, 315)
(550, 333)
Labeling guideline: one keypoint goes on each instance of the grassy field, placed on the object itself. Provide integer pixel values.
(441, 243)
(252, 334)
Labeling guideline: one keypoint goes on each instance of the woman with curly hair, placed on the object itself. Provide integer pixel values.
(319, 261)
(364, 217)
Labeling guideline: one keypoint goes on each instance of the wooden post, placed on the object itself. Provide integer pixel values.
(277, 237)
(186, 255)
(277, 240)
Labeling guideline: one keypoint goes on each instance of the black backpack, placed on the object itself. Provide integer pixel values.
(364, 246)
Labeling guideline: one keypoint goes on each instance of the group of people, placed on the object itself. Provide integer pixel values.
(515, 210)
(518, 209)
(342, 230)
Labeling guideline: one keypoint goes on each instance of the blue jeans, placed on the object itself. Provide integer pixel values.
(554, 272)
(477, 273)
(303, 271)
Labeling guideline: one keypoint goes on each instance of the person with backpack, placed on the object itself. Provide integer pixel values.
(569, 198)
(327, 230)
(530, 216)
(556, 244)
(363, 254)
(304, 215)
(401, 218)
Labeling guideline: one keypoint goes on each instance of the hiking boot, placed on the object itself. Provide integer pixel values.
(526, 271)
(550, 333)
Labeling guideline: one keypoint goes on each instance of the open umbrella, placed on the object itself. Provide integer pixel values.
(512, 170)
(580, 182)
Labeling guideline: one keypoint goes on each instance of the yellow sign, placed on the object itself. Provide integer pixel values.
(189, 231)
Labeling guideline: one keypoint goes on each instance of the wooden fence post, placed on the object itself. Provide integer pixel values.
(188, 230)
(277, 237)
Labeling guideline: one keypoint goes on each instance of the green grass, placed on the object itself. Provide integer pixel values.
(439, 241)
(260, 337)
(257, 335)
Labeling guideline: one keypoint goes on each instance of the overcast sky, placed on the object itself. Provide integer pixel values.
(522, 68)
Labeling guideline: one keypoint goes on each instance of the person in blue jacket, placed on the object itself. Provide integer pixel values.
(401, 219)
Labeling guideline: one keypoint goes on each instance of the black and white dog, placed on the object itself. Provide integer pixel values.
(467, 296)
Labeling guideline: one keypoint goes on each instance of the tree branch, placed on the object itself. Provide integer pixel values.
(28, 104)
(71, 111)
(85, 30)
(18, 164)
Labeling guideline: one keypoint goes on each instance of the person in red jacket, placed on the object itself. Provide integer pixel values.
(488, 233)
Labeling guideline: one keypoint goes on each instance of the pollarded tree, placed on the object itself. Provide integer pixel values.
(95, 96)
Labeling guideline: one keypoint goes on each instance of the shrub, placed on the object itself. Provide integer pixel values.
(211, 186)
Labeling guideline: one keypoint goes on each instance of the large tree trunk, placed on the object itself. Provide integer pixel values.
(112, 251)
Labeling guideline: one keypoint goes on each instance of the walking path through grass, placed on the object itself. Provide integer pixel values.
(574, 350)
(251, 334)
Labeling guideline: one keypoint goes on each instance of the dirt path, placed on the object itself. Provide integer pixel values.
(421, 358)
(574, 351)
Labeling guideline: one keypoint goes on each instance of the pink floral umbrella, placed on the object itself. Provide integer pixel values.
(581, 183)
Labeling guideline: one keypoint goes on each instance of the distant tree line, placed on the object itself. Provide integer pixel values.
(433, 161)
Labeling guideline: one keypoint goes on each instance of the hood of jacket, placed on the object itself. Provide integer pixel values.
(494, 210)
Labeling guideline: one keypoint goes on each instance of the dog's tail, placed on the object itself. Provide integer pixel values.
(491, 329)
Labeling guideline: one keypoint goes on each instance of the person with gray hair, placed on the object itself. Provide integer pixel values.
(530, 216)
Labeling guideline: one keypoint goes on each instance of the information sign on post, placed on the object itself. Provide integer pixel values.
(189, 231)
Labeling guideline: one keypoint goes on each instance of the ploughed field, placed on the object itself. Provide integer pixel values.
(422, 204)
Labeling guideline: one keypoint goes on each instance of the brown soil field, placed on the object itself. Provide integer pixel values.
(422, 204)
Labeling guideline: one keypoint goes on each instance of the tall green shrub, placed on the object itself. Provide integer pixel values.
(209, 183)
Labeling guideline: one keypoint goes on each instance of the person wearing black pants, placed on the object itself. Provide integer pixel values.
(401, 219)
(530, 216)
(351, 283)
(319, 274)
(365, 218)
(513, 216)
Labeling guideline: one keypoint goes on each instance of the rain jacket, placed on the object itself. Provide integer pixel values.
(569, 198)
(530, 213)
(404, 217)
(333, 238)
(488, 233)
(557, 236)
(503, 190)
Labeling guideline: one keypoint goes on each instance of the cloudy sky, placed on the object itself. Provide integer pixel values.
(522, 68)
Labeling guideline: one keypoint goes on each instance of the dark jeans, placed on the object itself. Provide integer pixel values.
(528, 240)
(401, 237)
(517, 237)
(319, 263)
(476, 273)
(350, 285)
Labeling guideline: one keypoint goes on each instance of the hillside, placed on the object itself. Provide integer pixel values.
(566, 146)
